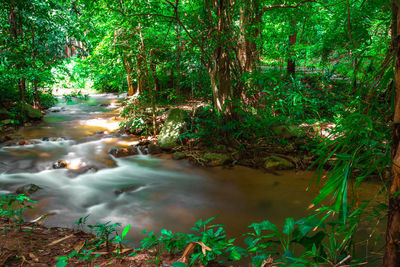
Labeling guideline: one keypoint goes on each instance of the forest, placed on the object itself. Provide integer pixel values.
(272, 126)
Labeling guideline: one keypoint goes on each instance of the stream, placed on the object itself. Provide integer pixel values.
(148, 192)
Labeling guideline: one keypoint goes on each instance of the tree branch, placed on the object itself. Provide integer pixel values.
(284, 5)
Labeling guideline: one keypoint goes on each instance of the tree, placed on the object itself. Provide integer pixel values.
(392, 249)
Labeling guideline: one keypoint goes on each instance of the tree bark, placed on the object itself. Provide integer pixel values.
(129, 71)
(219, 68)
(250, 19)
(141, 65)
(392, 249)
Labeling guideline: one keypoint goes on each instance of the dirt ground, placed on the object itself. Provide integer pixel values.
(31, 244)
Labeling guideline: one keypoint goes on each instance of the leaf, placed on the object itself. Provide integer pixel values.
(264, 226)
(80, 245)
(125, 231)
(179, 264)
(189, 249)
(288, 226)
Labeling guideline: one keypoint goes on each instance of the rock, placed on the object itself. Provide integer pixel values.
(129, 188)
(5, 115)
(172, 128)
(28, 189)
(178, 155)
(5, 122)
(46, 139)
(83, 170)
(277, 163)
(154, 149)
(287, 131)
(142, 149)
(123, 152)
(23, 143)
(32, 113)
(99, 132)
(215, 159)
(60, 165)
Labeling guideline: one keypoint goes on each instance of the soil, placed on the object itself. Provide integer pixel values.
(31, 244)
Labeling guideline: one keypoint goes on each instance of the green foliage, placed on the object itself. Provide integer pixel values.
(105, 233)
(13, 207)
(75, 95)
(212, 236)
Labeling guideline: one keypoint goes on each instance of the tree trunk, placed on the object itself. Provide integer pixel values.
(177, 82)
(291, 63)
(392, 249)
(250, 19)
(141, 65)
(129, 71)
(219, 68)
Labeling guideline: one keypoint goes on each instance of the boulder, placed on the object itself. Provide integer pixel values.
(32, 113)
(273, 163)
(178, 155)
(23, 143)
(123, 151)
(6, 122)
(153, 149)
(287, 131)
(28, 189)
(60, 165)
(172, 128)
(215, 159)
(5, 115)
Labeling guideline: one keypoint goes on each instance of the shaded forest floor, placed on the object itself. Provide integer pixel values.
(31, 244)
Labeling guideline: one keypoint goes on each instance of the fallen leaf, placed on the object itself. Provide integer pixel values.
(189, 249)
(80, 245)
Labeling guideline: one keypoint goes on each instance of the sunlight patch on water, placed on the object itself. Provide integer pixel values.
(111, 125)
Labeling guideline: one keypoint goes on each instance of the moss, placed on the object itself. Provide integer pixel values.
(277, 163)
(215, 159)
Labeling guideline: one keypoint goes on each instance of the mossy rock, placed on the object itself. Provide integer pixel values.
(287, 131)
(273, 163)
(170, 131)
(178, 155)
(215, 159)
(5, 115)
(28, 189)
(32, 113)
(6, 122)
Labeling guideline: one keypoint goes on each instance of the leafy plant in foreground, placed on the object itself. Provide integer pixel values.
(12, 207)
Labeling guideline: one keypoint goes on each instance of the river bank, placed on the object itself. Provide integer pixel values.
(150, 191)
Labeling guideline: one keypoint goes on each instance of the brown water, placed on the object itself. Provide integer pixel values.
(163, 193)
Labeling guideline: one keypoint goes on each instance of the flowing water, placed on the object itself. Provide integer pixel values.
(147, 192)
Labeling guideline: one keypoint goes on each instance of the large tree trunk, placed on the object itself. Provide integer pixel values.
(392, 249)
(129, 71)
(219, 68)
(250, 19)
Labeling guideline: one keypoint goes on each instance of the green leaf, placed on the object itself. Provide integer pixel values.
(179, 264)
(264, 226)
(288, 226)
(125, 231)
